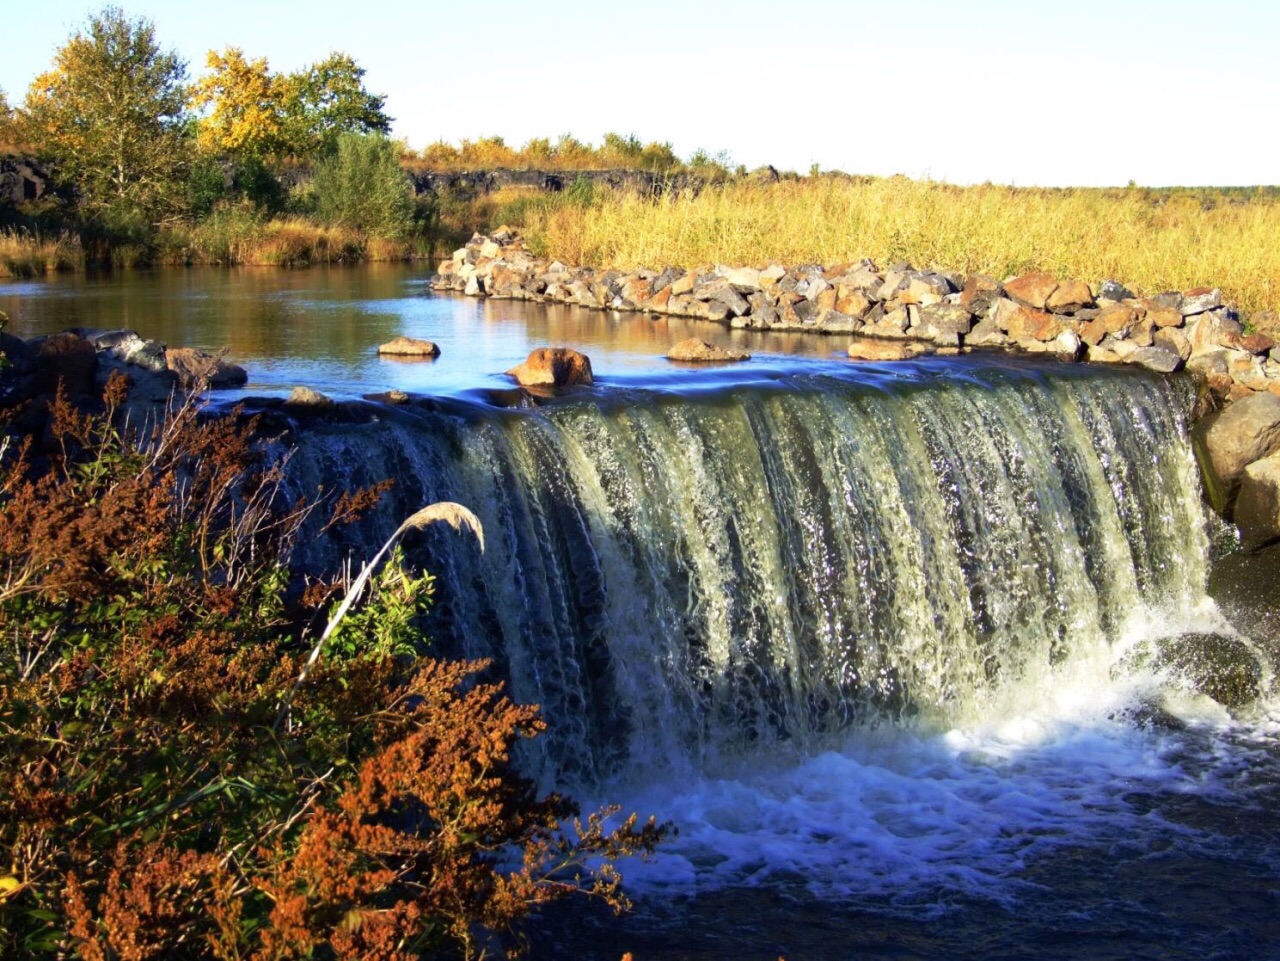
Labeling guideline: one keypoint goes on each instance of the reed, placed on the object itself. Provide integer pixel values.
(29, 254)
(1150, 240)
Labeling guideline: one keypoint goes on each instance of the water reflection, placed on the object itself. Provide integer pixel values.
(321, 326)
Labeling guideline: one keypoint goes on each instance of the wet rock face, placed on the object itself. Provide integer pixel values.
(1224, 668)
(1235, 437)
(553, 367)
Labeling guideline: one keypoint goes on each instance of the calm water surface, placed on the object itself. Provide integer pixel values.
(321, 327)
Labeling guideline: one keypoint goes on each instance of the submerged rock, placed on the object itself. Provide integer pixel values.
(410, 347)
(694, 350)
(553, 367)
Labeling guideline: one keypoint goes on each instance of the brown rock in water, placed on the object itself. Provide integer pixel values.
(553, 367)
(410, 347)
(306, 397)
(1032, 290)
(871, 348)
(698, 351)
(195, 368)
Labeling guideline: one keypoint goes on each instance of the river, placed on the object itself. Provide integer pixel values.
(870, 636)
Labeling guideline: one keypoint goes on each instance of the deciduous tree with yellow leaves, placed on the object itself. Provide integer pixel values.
(112, 115)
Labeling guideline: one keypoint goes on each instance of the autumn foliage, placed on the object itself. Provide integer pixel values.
(168, 788)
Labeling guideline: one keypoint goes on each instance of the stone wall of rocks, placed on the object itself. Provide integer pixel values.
(929, 310)
(901, 312)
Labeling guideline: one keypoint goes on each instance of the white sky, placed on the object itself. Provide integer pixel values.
(1083, 93)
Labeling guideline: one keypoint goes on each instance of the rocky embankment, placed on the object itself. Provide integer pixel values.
(902, 312)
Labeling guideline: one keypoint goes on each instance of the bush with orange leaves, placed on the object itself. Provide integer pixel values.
(169, 788)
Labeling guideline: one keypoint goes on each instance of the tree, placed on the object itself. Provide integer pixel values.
(326, 100)
(6, 123)
(247, 101)
(112, 114)
(361, 185)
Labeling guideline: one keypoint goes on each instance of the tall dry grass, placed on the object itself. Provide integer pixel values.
(27, 254)
(236, 237)
(1152, 241)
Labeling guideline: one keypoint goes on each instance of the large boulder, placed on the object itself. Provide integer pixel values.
(694, 350)
(409, 347)
(1257, 509)
(1228, 440)
(555, 367)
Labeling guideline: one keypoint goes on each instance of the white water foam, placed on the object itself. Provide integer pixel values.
(919, 816)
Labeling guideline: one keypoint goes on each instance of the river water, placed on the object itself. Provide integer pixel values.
(869, 636)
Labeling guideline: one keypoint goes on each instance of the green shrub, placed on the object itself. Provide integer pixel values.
(362, 186)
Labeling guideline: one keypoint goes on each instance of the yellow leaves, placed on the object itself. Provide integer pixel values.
(247, 103)
(9, 886)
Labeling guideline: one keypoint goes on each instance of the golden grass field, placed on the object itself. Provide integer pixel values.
(1150, 240)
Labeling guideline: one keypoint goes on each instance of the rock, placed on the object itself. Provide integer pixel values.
(1032, 290)
(1199, 300)
(1067, 345)
(306, 397)
(1258, 343)
(853, 302)
(728, 295)
(940, 318)
(1113, 290)
(196, 368)
(1212, 330)
(1165, 317)
(979, 293)
(771, 275)
(986, 334)
(1024, 324)
(1230, 439)
(66, 359)
(1158, 357)
(128, 347)
(553, 367)
(1175, 340)
(389, 397)
(684, 284)
(1224, 668)
(870, 348)
(1070, 296)
(698, 351)
(1257, 507)
(747, 278)
(410, 347)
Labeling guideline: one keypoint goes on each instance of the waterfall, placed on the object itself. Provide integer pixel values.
(680, 576)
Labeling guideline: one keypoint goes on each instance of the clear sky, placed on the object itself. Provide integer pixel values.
(1082, 92)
